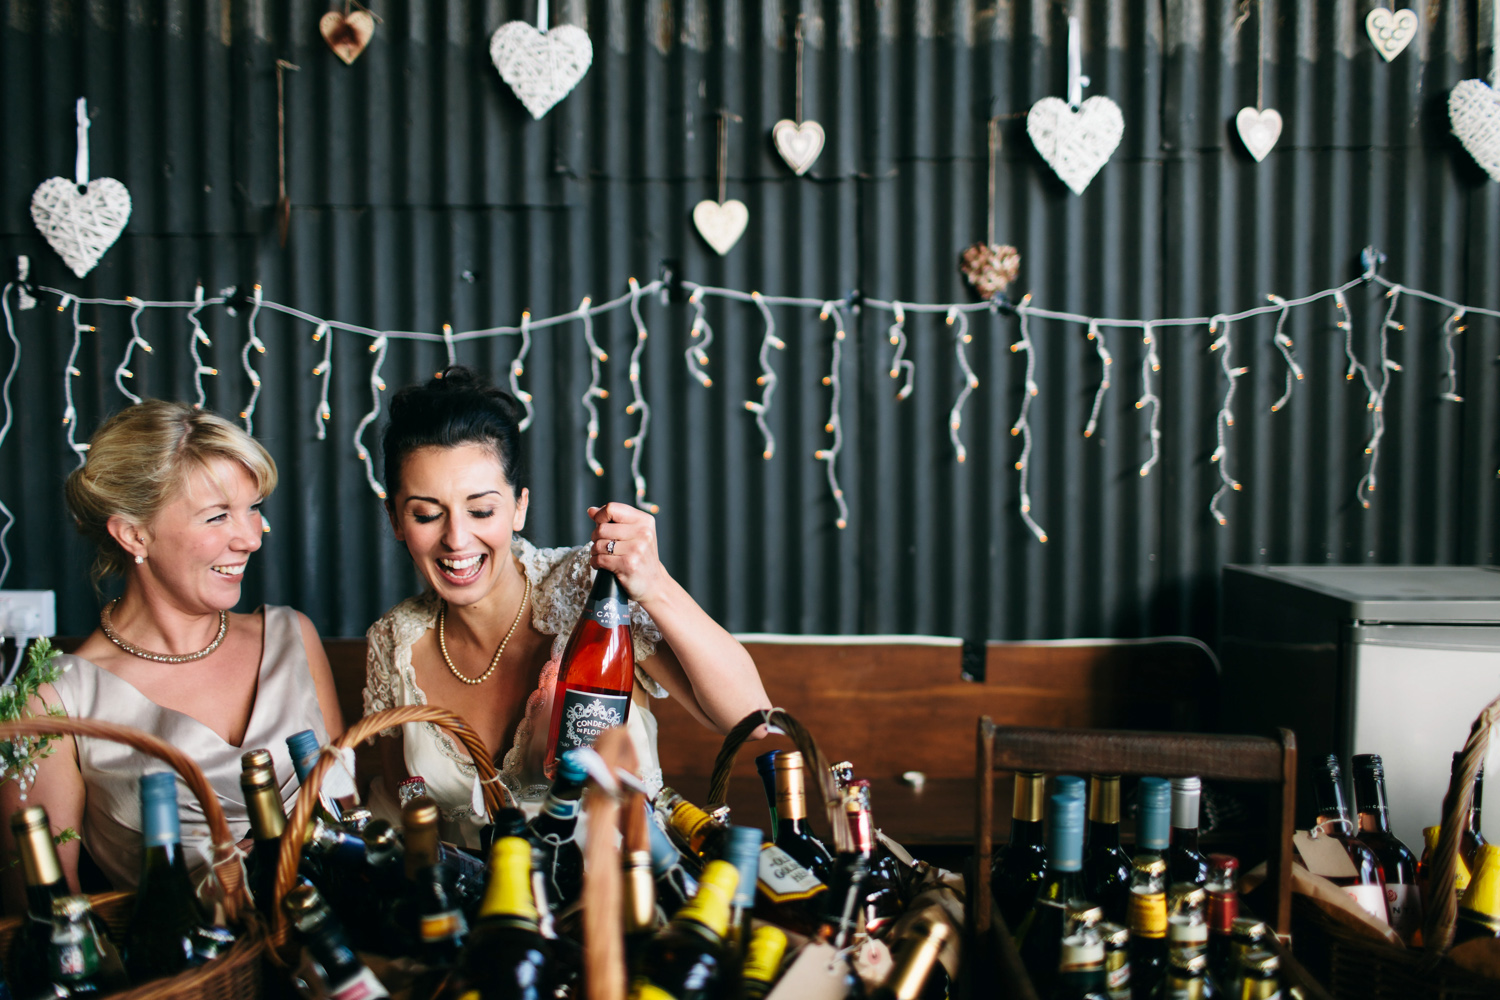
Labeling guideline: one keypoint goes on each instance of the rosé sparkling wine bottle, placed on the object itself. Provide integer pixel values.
(597, 673)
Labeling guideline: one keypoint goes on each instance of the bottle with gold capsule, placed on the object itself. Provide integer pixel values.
(642, 918)
(702, 836)
(793, 833)
(267, 822)
(1106, 866)
(74, 950)
(762, 961)
(428, 911)
(1022, 867)
(1187, 979)
(27, 964)
(916, 961)
(686, 960)
(1148, 889)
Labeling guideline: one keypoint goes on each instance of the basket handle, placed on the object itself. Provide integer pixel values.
(496, 795)
(1437, 935)
(718, 786)
(226, 857)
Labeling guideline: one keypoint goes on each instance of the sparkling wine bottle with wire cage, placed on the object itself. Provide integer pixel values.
(596, 675)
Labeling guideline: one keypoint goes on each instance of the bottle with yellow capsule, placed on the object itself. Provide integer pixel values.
(762, 961)
(1479, 909)
(686, 960)
(505, 957)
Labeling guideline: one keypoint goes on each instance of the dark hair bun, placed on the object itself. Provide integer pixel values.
(458, 406)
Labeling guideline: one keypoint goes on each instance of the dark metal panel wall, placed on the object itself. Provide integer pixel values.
(423, 193)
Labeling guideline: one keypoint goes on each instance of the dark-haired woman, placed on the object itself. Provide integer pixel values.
(485, 638)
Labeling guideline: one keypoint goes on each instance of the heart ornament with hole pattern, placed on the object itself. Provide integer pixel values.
(1075, 143)
(542, 67)
(81, 224)
(1474, 110)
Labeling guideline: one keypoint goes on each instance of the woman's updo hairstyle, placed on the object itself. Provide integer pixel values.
(457, 407)
(139, 460)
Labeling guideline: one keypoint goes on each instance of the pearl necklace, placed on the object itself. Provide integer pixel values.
(107, 626)
(494, 660)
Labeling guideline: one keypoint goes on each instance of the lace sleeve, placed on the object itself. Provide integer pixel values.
(382, 681)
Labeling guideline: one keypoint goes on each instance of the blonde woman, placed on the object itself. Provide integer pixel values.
(170, 496)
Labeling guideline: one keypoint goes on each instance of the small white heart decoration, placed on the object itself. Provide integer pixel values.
(1474, 110)
(1391, 30)
(799, 145)
(1259, 130)
(80, 227)
(1075, 143)
(721, 225)
(541, 67)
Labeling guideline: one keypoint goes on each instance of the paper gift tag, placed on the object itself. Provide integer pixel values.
(1324, 855)
(817, 974)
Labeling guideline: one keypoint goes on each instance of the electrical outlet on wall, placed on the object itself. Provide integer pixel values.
(30, 613)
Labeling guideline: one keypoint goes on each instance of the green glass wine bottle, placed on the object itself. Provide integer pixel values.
(159, 941)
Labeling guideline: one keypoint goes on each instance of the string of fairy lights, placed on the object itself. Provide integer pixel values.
(834, 313)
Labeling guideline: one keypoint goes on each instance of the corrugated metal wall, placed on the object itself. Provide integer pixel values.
(423, 193)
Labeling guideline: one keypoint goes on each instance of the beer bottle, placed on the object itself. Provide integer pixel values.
(1223, 909)
(74, 950)
(1021, 868)
(1260, 976)
(701, 836)
(1081, 974)
(1116, 960)
(596, 675)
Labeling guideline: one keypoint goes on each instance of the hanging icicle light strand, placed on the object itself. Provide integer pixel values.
(696, 355)
(1284, 345)
(517, 369)
(122, 370)
(378, 348)
(835, 425)
(199, 337)
(324, 369)
(70, 372)
(1225, 418)
(15, 366)
(961, 339)
(595, 390)
(1022, 426)
(1150, 365)
(637, 444)
(252, 340)
(1452, 329)
(899, 362)
(767, 377)
(1377, 408)
(1105, 360)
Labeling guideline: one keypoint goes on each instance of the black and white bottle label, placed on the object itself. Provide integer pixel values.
(585, 715)
(610, 613)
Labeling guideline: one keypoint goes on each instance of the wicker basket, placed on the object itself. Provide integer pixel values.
(1362, 968)
(236, 975)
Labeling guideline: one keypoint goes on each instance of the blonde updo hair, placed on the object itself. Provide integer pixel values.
(139, 461)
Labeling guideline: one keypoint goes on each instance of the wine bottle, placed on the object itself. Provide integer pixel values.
(843, 915)
(428, 911)
(1260, 976)
(267, 822)
(596, 675)
(915, 959)
(506, 957)
(675, 887)
(882, 896)
(1398, 865)
(642, 917)
(1148, 888)
(762, 961)
(74, 950)
(1041, 931)
(701, 836)
(1080, 973)
(742, 851)
(1223, 910)
(159, 940)
(765, 766)
(1116, 960)
(27, 965)
(685, 961)
(323, 935)
(793, 834)
(1365, 887)
(554, 831)
(1461, 875)
(1185, 863)
(304, 749)
(1106, 866)
(1017, 872)
(1472, 839)
(1479, 909)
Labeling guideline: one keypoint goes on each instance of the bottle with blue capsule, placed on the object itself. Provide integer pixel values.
(742, 851)
(1041, 932)
(675, 885)
(1148, 888)
(554, 832)
(161, 937)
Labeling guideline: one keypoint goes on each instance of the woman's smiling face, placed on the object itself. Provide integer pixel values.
(456, 514)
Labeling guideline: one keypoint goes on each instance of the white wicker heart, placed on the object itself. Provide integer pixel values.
(1258, 130)
(80, 226)
(721, 225)
(542, 67)
(1390, 30)
(1474, 110)
(1076, 144)
(799, 145)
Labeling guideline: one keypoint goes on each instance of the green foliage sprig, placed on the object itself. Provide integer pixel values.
(18, 757)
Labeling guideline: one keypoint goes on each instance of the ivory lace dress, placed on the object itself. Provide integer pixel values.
(560, 582)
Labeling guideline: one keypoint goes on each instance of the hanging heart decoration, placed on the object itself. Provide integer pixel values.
(721, 224)
(1474, 110)
(799, 145)
(541, 66)
(1075, 144)
(1258, 130)
(347, 34)
(81, 218)
(1390, 30)
(990, 267)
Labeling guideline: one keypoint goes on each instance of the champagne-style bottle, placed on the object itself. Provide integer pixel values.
(1106, 866)
(1080, 973)
(915, 959)
(554, 831)
(1041, 932)
(596, 675)
(1365, 886)
(27, 965)
(701, 836)
(675, 886)
(1223, 910)
(1148, 888)
(882, 895)
(506, 957)
(762, 961)
(74, 950)
(347, 977)
(1017, 872)
(1479, 909)
(1185, 863)
(1398, 865)
(793, 834)
(159, 941)
(1472, 839)
(1461, 875)
(685, 961)
(267, 822)
(428, 911)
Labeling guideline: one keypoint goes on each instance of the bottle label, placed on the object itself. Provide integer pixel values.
(782, 879)
(610, 613)
(1223, 907)
(1404, 902)
(1117, 974)
(363, 986)
(1370, 899)
(77, 960)
(563, 809)
(1148, 914)
(585, 715)
(445, 926)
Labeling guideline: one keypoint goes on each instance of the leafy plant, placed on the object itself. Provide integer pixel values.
(18, 757)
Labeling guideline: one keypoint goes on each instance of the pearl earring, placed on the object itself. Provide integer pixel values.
(139, 560)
